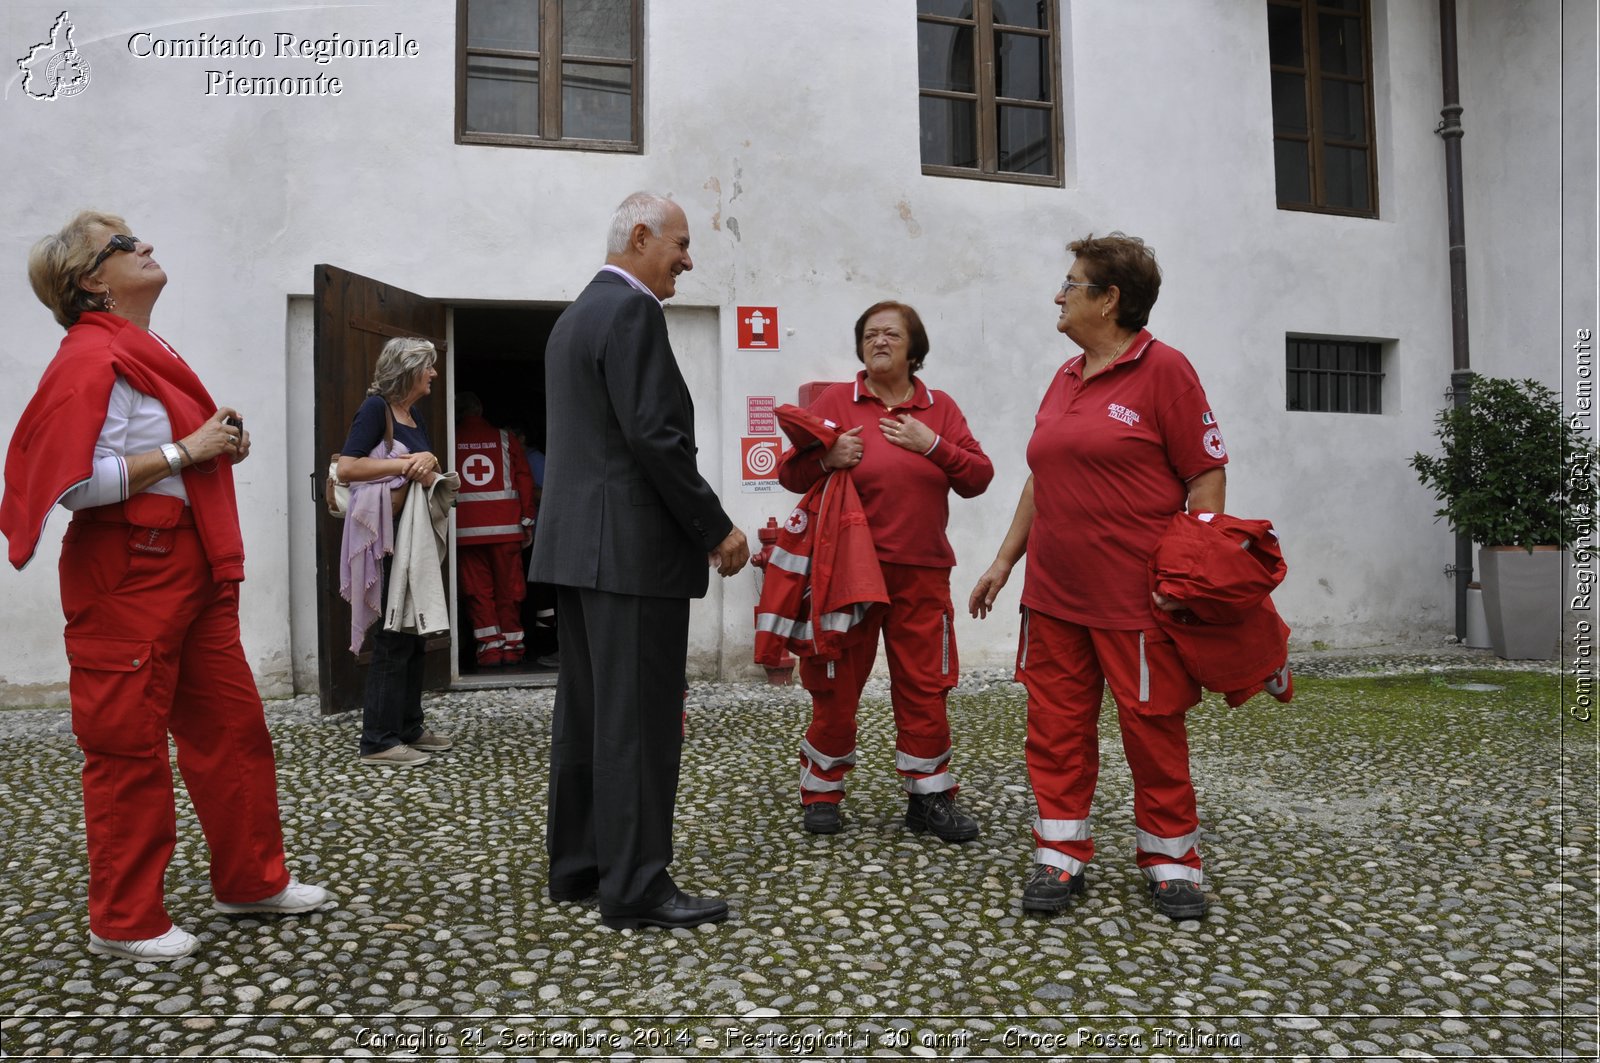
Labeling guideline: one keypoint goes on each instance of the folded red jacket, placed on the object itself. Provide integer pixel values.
(1224, 570)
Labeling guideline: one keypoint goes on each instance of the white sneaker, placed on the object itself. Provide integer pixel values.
(294, 898)
(173, 945)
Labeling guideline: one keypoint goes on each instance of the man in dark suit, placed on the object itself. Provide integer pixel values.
(627, 527)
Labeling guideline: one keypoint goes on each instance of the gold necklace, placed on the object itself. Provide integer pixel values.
(911, 389)
(1121, 347)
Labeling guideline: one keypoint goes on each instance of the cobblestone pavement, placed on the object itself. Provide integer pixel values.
(1402, 864)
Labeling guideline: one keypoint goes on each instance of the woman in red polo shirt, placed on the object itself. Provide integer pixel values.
(1123, 440)
(907, 447)
(122, 432)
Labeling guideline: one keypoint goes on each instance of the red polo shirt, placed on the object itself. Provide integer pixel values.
(1110, 458)
(906, 495)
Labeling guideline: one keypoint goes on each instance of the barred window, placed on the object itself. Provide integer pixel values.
(1323, 145)
(989, 81)
(1332, 375)
(549, 73)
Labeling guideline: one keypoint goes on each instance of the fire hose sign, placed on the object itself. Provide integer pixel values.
(759, 460)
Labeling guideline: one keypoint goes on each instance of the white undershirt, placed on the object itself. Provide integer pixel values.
(135, 423)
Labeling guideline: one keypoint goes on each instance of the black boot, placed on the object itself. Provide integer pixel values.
(822, 817)
(937, 813)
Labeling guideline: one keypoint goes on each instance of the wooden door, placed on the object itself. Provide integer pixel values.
(355, 317)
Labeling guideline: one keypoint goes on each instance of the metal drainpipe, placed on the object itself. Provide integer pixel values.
(1461, 371)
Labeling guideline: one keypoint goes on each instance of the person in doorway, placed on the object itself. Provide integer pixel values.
(627, 528)
(541, 597)
(122, 432)
(386, 451)
(1124, 439)
(907, 447)
(494, 523)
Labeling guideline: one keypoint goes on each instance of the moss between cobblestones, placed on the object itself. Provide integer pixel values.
(1397, 866)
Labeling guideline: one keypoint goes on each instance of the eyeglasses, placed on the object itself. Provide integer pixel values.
(1069, 284)
(117, 243)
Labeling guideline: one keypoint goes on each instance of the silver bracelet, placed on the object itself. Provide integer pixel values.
(174, 458)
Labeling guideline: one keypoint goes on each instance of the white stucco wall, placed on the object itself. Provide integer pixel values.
(789, 133)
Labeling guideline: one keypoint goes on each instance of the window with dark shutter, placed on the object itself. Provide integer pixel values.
(1321, 60)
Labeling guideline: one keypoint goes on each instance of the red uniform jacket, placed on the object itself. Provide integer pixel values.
(823, 574)
(52, 449)
(1224, 569)
(496, 485)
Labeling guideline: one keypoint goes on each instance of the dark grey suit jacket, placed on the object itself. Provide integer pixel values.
(625, 509)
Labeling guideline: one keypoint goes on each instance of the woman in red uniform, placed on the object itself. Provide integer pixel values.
(907, 447)
(1123, 440)
(122, 432)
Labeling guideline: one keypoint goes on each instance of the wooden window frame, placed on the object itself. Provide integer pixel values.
(1312, 74)
(1360, 387)
(550, 102)
(988, 102)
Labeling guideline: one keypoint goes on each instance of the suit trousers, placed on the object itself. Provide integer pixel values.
(617, 737)
(153, 644)
(1066, 668)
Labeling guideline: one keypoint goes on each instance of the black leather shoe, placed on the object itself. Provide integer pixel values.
(1180, 899)
(822, 817)
(1050, 889)
(938, 813)
(677, 911)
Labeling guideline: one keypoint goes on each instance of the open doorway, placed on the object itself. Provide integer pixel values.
(498, 355)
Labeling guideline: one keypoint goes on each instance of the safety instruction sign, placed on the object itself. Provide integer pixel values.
(758, 328)
(759, 460)
(761, 415)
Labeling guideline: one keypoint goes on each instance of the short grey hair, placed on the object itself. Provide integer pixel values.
(402, 359)
(642, 208)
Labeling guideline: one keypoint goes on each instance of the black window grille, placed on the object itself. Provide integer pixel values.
(1328, 375)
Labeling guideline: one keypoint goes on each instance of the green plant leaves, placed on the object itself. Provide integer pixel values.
(1514, 472)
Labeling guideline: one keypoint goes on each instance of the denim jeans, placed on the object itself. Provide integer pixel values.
(391, 711)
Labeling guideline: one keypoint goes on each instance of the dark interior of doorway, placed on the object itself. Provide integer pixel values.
(499, 355)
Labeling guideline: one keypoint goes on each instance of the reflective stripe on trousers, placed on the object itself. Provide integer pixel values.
(928, 777)
(812, 761)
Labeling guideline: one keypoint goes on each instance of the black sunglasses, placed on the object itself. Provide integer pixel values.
(117, 243)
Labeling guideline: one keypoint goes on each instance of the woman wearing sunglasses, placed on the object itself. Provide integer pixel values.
(122, 432)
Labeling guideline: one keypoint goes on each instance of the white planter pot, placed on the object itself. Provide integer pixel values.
(1522, 600)
(1477, 620)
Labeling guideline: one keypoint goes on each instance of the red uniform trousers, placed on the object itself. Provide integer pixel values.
(1065, 668)
(154, 647)
(919, 637)
(493, 584)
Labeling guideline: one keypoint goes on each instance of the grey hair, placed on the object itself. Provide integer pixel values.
(402, 359)
(642, 208)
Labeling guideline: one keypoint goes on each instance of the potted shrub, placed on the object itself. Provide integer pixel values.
(1518, 479)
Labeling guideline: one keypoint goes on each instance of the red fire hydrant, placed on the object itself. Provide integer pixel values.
(782, 673)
